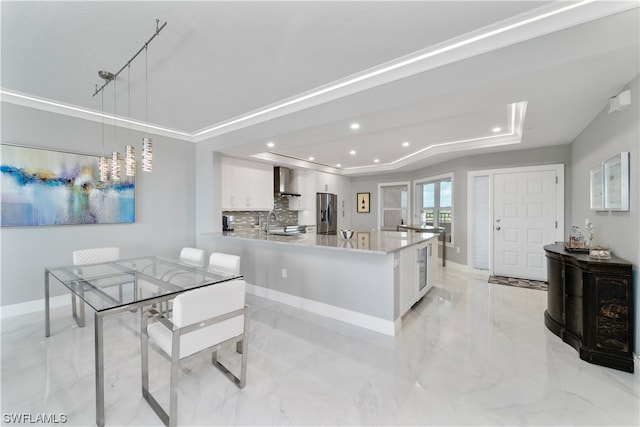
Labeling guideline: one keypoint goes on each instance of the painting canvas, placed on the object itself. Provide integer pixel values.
(45, 187)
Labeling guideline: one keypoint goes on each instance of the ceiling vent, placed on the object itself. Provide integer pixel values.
(620, 102)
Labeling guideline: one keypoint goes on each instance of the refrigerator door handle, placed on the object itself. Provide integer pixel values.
(329, 213)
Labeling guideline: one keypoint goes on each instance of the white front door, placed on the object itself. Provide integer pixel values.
(524, 220)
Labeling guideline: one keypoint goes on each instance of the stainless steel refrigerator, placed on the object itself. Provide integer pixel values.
(327, 213)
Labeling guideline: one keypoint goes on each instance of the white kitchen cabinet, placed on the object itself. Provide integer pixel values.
(433, 268)
(407, 279)
(227, 193)
(246, 185)
(328, 183)
(299, 185)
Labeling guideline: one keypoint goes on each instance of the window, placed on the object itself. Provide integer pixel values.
(394, 206)
(434, 203)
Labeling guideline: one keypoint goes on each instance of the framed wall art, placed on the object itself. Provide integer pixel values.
(47, 187)
(616, 182)
(596, 186)
(363, 202)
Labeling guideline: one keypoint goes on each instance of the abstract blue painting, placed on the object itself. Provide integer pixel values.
(46, 187)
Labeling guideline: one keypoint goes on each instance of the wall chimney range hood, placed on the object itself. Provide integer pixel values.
(282, 182)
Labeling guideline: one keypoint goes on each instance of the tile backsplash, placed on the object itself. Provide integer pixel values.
(243, 220)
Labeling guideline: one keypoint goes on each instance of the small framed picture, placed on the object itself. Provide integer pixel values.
(616, 182)
(597, 188)
(363, 203)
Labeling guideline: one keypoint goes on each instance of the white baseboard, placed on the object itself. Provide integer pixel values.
(12, 310)
(387, 327)
(481, 273)
(459, 267)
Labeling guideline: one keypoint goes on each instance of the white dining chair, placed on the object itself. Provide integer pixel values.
(224, 263)
(90, 256)
(203, 320)
(192, 256)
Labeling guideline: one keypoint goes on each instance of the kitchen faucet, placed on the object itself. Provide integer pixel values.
(275, 216)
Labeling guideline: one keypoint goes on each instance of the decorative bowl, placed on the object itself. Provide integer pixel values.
(600, 253)
(346, 234)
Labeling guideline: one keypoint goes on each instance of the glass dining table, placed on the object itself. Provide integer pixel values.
(116, 286)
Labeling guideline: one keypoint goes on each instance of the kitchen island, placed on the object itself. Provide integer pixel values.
(369, 281)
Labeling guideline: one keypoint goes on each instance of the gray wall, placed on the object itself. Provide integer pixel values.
(607, 135)
(459, 167)
(165, 202)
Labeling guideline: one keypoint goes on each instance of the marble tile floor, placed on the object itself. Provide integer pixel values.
(471, 353)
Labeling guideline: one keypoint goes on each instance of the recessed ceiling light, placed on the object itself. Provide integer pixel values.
(352, 152)
(311, 159)
(496, 129)
(355, 126)
(376, 160)
(270, 144)
(338, 165)
(405, 144)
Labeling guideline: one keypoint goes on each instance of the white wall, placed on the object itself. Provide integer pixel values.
(607, 135)
(165, 203)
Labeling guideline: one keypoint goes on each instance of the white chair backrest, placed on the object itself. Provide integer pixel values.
(192, 256)
(224, 263)
(205, 303)
(91, 256)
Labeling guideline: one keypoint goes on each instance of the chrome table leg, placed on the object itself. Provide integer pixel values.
(99, 355)
(47, 326)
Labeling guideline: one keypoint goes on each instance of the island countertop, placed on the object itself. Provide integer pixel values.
(376, 242)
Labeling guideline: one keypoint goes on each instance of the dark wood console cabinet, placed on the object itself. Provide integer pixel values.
(590, 306)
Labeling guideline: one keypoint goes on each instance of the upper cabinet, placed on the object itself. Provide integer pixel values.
(299, 184)
(246, 185)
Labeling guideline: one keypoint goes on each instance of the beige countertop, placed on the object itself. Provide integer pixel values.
(376, 242)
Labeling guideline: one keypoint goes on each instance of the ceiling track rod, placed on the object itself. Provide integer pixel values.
(158, 29)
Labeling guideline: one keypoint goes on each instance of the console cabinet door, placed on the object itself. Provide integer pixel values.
(555, 291)
(611, 330)
(573, 304)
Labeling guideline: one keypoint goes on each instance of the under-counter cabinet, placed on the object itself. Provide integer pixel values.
(417, 267)
(246, 185)
(590, 306)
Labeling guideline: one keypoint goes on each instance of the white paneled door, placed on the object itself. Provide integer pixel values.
(524, 220)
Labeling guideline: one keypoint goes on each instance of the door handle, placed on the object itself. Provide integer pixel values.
(498, 228)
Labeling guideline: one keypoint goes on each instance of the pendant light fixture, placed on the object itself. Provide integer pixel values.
(115, 166)
(115, 156)
(130, 160)
(147, 143)
(103, 162)
(130, 153)
(104, 169)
